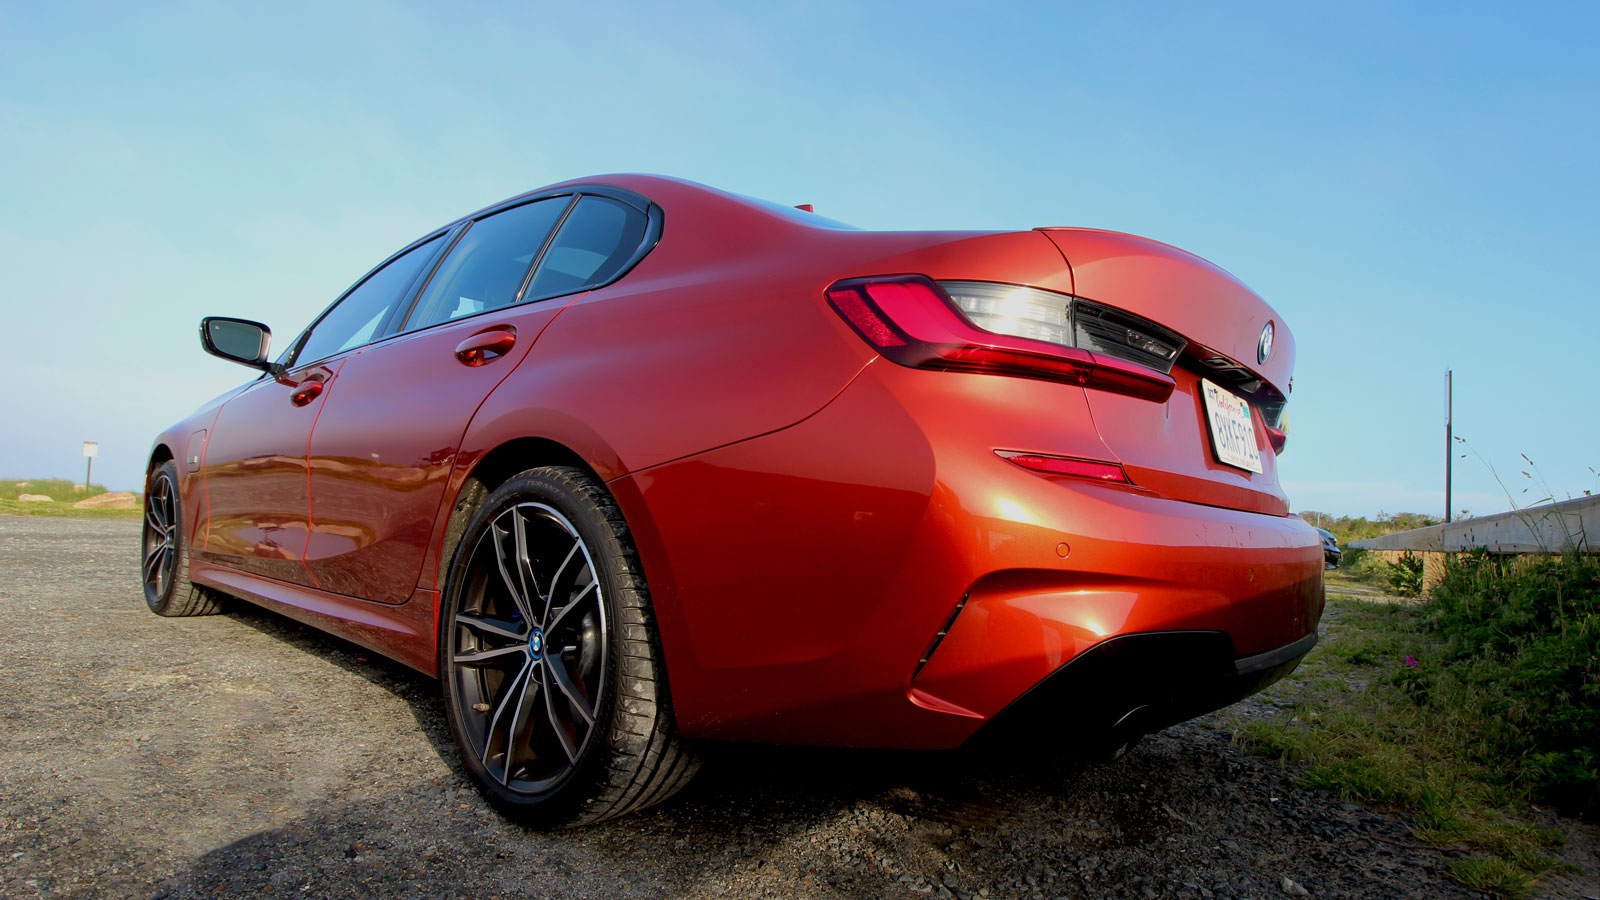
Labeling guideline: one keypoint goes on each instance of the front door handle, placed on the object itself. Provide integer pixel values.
(306, 393)
(486, 346)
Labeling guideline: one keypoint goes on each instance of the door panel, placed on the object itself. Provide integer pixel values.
(255, 475)
(384, 447)
(382, 452)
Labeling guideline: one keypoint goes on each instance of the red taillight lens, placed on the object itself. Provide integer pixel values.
(908, 319)
(1062, 465)
(1278, 437)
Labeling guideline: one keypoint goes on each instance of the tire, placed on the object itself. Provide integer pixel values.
(554, 682)
(164, 552)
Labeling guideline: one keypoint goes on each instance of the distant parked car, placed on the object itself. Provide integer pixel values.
(836, 487)
(1331, 554)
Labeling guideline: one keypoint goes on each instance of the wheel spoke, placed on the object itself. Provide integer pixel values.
(513, 690)
(579, 704)
(556, 725)
(164, 569)
(520, 711)
(153, 562)
(513, 585)
(561, 615)
(555, 580)
(525, 566)
(152, 518)
(495, 627)
(484, 657)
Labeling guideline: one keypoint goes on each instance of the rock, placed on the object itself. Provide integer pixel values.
(33, 498)
(77, 488)
(113, 500)
(22, 484)
(1293, 888)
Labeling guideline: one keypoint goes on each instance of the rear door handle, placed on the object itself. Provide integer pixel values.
(486, 346)
(306, 393)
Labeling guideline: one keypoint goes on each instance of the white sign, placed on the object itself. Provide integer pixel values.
(91, 449)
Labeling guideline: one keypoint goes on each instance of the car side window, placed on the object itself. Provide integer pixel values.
(487, 266)
(594, 242)
(355, 320)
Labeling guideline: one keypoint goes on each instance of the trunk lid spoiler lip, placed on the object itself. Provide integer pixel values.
(1218, 314)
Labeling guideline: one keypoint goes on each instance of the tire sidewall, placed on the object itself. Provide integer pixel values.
(565, 803)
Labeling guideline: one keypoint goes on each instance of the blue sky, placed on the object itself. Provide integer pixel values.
(1413, 186)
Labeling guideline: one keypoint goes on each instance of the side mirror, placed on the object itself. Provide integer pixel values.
(238, 340)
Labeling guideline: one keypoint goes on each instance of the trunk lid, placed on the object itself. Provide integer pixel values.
(1169, 447)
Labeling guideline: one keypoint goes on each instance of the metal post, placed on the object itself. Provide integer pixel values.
(1449, 452)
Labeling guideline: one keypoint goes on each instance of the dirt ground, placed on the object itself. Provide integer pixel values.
(246, 755)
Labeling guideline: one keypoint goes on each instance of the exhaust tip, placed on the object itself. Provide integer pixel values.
(1128, 731)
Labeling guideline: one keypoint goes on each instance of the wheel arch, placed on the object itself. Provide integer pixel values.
(474, 481)
(507, 437)
(159, 454)
(488, 472)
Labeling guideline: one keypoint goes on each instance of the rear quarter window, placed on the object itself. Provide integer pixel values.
(598, 238)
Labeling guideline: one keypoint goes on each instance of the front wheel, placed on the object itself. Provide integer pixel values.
(164, 552)
(553, 676)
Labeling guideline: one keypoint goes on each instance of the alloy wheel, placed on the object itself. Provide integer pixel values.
(160, 536)
(528, 650)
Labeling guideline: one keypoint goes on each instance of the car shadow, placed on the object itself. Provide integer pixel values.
(824, 823)
(728, 768)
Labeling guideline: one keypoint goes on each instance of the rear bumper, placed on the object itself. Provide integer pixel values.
(1138, 683)
(877, 576)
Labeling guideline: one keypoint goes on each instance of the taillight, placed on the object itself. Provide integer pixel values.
(1066, 320)
(1278, 434)
(913, 322)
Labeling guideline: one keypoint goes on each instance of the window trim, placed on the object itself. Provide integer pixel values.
(292, 360)
(402, 324)
(398, 321)
(647, 241)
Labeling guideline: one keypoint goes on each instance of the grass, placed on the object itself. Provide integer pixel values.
(1393, 710)
(1358, 568)
(62, 496)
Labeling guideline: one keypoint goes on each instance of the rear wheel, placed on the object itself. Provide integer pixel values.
(165, 552)
(553, 675)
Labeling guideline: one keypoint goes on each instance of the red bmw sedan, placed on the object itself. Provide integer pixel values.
(629, 463)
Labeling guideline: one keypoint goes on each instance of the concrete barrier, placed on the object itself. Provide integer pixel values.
(1551, 528)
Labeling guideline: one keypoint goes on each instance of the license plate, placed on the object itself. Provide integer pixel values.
(1233, 432)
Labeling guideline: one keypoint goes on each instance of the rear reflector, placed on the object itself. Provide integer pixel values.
(1063, 465)
(911, 321)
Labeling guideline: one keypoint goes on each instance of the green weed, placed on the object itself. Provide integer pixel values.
(1405, 575)
(1492, 875)
(1435, 708)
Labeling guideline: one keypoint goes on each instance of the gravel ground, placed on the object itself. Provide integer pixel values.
(244, 754)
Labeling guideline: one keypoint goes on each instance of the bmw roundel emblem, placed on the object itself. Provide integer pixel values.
(1264, 348)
